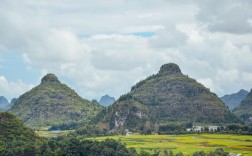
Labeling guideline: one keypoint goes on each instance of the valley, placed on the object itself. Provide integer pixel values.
(167, 112)
(126, 78)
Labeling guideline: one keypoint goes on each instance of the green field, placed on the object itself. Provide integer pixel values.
(188, 143)
(50, 134)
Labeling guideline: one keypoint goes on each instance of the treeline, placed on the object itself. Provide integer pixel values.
(65, 126)
(174, 128)
(238, 129)
(18, 148)
(90, 131)
(109, 147)
(76, 147)
(67, 146)
(217, 152)
(182, 129)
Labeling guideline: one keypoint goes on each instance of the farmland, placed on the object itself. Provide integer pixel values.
(187, 144)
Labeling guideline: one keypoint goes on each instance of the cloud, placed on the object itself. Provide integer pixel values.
(226, 16)
(95, 47)
(168, 37)
(11, 89)
(57, 46)
(235, 56)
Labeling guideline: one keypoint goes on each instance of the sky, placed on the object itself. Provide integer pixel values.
(103, 47)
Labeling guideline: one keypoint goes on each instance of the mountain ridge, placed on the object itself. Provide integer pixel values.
(234, 99)
(244, 110)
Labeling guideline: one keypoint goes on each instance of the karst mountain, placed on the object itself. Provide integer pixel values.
(167, 97)
(53, 103)
(244, 110)
(233, 100)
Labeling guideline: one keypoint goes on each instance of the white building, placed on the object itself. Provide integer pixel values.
(213, 128)
(197, 128)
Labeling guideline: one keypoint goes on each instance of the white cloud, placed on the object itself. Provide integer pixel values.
(235, 56)
(247, 77)
(226, 16)
(92, 44)
(11, 89)
(209, 84)
(58, 46)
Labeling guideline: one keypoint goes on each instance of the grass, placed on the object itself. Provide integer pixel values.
(188, 143)
(50, 134)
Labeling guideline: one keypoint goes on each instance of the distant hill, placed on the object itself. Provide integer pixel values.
(12, 102)
(53, 103)
(244, 110)
(15, 137)
(233, 100)
(4, 104)
(95, 101)
(106, 100)
(167, 97)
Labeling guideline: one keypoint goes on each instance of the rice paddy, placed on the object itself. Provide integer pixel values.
(188, 143)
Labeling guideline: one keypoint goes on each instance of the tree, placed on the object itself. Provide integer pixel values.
(200, 153)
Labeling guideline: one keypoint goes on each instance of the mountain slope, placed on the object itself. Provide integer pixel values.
(15, 137)
(53, 103)
(244, 110)
(12, 102)
(233, 100)
(106, 100)
(168, 96)
(3, 103)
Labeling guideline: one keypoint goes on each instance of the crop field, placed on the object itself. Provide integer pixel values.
(51, 134)
(188, 143)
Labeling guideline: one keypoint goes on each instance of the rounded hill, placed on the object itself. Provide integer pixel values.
(15, 137)
(53, 103)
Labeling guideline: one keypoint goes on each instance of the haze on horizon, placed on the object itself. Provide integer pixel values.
(99, 47)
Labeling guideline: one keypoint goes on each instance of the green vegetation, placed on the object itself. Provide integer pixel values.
(244, 110)
(176, 128)
(15, 137)
(18, 140)
(76, 147)
(53, 134)
(164, 98)
(233, 100)
(4, 104)
(187, 144)
(53, 104)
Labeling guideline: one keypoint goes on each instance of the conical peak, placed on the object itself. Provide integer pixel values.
(49, 78)
(242, 90)
(170, 68)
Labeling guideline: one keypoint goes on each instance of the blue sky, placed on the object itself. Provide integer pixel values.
(14, 68)
(100, 48)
